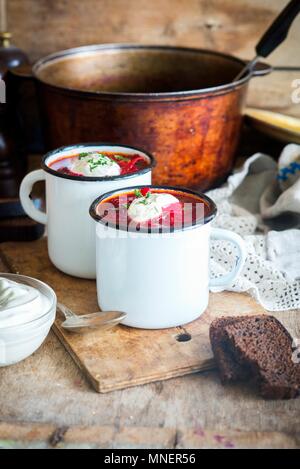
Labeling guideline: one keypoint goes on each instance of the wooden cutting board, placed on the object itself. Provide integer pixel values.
(123, 356)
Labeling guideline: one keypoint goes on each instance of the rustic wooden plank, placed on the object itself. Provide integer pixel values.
(48, 387)
(125, 357)
(226, 25)
(274, 92)
(203, 438)
(33, 435)
(36, 435)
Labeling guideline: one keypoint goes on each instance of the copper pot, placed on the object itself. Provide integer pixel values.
(179, 104)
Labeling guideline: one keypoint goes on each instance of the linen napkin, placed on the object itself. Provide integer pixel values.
(261, 202)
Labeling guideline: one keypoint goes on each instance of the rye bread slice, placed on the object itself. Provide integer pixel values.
(229, 368)
(263, 346)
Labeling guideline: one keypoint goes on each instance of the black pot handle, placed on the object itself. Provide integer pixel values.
(278, 30)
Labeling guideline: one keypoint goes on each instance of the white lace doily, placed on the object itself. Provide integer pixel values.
(260, 277)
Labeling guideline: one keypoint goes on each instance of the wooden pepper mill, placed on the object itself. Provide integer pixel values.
(10, 56)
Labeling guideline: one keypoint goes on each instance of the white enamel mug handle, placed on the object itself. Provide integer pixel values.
(227, 279)
(26, 201)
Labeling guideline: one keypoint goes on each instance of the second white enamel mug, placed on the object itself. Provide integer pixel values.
(160, 280)
(71, 234)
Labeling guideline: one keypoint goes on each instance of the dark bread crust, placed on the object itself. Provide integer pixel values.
(229, 368)
(264, 345)
(257, 348)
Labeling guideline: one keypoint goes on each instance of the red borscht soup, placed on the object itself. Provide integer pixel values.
(99, 164)
(153, 209)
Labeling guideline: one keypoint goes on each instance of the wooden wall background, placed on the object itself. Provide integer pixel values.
(234, 26)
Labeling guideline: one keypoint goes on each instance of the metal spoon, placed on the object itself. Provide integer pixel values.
(87, 322)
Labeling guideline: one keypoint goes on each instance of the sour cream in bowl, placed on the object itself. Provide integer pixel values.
(27, 312)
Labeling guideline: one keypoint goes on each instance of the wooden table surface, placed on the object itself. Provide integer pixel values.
(45, 400)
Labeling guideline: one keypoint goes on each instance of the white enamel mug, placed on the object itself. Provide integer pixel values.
(160, 280)
(71, 234)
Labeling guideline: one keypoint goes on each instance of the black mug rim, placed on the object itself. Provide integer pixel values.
(208, 218)
(46, 168)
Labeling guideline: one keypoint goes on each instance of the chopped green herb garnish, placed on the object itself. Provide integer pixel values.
(121, 158)
(82, 155)
(137, 193)
(99, 160)
(144, 199)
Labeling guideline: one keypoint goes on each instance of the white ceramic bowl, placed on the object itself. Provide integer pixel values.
(20, 341)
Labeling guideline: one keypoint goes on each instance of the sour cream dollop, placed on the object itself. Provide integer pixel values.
(143, 209)
(20, 303)
(95, 164)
